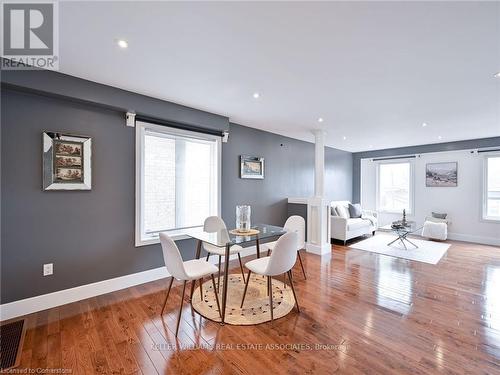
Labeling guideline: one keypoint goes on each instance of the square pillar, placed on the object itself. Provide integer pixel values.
(318, 208)
(318, 226)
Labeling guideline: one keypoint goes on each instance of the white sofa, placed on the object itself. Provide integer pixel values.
(344, 229)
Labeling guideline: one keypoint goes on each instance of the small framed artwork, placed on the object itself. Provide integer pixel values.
(251, 167)
(66, 161)
(441, 174)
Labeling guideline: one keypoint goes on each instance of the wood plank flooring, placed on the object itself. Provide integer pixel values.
(361, 313)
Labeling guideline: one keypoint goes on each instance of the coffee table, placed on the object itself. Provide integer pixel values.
(402, 232)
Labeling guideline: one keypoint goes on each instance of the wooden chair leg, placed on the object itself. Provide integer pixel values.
(246, 286)
(168, 293)
(201, 289)
(193, 284)
(218, 278)
(302, 265)
(241, 267)
(208, 256)
(216, 296)
(270, 288)
(293, 290)
(180, 310)
(284, 280)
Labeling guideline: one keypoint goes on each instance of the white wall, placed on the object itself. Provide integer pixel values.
(462, 203)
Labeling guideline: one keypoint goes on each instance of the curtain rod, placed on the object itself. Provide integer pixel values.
(395, 157)
(178, 125)
(412, 156)
(480, 151)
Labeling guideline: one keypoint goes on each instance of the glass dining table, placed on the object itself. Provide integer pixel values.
(228, 238)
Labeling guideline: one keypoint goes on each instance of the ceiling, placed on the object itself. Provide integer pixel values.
(375, 72)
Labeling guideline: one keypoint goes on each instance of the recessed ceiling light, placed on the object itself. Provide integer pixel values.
(497, 75)
(122, 43)
(320, 119)
(424, 124)
(439, 137)
(256, 95)
(344, 137)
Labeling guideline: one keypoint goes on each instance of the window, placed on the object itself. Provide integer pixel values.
(395, 187)
(177, 180)
(491, 194)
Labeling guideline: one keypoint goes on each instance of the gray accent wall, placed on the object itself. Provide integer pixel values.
(289, 172)
(89, 235)
(80, 90)
(437, 147)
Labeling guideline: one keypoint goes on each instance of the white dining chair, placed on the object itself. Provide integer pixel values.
(281, 261)
(215, 224)
(297, 224)
(190, 270)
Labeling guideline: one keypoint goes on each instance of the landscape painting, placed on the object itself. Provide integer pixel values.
(251, 167)
(68, 161)
(69, 174)
(441, 174)
(67, 148)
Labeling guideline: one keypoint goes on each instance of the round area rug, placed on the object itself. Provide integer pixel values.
(256, 307)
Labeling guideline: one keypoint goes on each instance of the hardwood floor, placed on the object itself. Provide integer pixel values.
(360, 313)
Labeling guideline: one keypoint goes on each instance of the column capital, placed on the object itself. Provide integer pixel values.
(318, 132)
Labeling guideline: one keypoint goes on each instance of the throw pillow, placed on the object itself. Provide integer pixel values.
(438, 215)
(342, 211)
(355, 210)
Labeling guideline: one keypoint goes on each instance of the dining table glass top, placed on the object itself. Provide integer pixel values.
(224, 237)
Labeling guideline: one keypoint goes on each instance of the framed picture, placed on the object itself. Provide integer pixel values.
(441, 174)
(66, 161)
(251, 167)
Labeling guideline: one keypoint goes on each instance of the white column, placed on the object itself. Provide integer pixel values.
(319, 162)
(318, 209)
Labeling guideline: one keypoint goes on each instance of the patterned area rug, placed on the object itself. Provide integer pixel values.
(256, 307)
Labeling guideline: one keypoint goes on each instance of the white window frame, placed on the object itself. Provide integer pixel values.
(411, 162)
(141, 128)
(484, 190)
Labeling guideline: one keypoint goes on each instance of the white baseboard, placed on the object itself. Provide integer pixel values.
(482, 240)
(62, 297)
(326, 249)
(475, 239)
(46, 301)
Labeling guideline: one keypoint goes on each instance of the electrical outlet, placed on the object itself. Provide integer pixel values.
(48, 269)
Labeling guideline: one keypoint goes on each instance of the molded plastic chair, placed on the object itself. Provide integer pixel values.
(215, 224)
(190, 270)
(297, 224)
(281, 261)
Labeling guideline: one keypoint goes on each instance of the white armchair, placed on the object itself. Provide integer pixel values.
(343, 227)
(435, 228)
